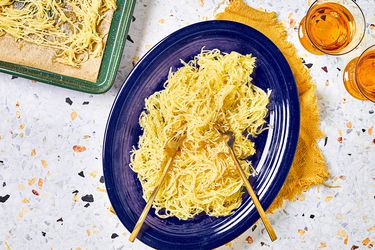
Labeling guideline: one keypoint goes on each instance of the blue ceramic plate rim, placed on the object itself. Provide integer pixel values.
(126, 88)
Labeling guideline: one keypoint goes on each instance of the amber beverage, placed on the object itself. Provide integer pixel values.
(359, 76)
(332, 27)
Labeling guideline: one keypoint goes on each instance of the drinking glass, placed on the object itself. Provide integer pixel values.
(359, 75)
(333, 27)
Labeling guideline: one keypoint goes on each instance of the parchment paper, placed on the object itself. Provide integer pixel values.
(36, 56)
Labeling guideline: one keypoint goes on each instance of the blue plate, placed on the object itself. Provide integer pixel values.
(275, 147)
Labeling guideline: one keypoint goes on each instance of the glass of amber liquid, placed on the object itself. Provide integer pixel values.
(359, 76)
(333, 27)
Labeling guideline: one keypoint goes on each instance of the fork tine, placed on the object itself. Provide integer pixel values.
(219, 129)
(178, 137)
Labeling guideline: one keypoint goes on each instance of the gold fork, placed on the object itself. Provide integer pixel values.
(171, 148)
(230, 142)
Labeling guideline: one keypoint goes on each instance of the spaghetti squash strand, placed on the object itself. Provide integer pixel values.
(69, 26)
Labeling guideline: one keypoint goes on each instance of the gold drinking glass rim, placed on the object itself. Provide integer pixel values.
(325, 52)
(356, 71)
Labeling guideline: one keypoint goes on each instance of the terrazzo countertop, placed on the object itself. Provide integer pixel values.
(52, 194)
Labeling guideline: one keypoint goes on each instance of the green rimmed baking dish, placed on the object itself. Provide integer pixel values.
(110, 62)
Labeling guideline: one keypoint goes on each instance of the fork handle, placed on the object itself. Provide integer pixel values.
(253, 196)
(145, 211)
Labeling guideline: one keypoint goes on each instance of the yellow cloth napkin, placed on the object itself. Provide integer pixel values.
(309, 166)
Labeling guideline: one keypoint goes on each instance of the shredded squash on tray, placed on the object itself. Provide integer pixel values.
(71, 27)
(212, 89)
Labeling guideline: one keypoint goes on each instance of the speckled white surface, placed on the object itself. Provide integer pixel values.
(38, 130)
